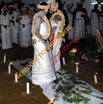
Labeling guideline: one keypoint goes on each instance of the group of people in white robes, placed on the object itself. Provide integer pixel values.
(15, 26)
(82, 24)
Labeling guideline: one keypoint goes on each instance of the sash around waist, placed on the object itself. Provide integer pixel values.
(78, 18)
(5, 26)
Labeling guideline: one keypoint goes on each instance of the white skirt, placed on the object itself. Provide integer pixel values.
(42, 70)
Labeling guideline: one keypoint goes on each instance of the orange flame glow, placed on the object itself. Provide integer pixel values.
(10, 63)
(74, 50)
(77, 63)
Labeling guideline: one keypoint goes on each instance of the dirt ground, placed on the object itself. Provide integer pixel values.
(15, 93)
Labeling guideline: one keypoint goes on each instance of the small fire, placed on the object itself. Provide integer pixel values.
(4, 54)
(74, 50)
(77, 63)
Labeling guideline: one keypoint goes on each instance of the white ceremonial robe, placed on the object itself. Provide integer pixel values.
(101, 23)
(14, 27)
(25, 32)
(6, 37)
(49, 92)
(42, 70)
(94, 23)
(56, 47)
(79, 26)
(70, 32)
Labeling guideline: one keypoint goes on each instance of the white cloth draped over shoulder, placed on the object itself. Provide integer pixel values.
(79, 26)
(94, 23)
(56, 46)
(42, 71)
(5, 31)
(14, 26)
(25, 32)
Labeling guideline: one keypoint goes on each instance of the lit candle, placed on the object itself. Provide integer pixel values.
(9, 67)
(77, 63)
(52, 100)
(16, 79)
(63, 60)
(72, 54)
(5, 58)
(27, 88)
(95, 77)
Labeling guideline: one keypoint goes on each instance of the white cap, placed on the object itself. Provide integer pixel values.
(51, 1)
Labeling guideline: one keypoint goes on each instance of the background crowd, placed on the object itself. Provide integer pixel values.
(16, 20)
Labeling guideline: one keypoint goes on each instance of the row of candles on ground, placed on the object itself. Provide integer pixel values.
(63, 59)
(28, 85)
(77, 70)
(16, 79)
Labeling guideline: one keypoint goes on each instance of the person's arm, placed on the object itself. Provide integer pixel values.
(85, 14)
(19, 17)
(37, 23)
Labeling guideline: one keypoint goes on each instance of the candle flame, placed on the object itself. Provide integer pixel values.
(77, 63)
(4, 54)
(10, 63)
(52, 100)
(95, 73)
(73, 50)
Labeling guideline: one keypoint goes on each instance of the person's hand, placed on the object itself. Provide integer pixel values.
(20, 17)
(48, 47)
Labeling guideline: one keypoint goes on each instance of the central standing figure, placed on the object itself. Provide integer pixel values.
(43, 72)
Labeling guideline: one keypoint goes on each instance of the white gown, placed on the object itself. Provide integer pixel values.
(5, 32)
(94, 23)
(101, 23)
(14, 27)
(70, 19)
(42, 71)
(56, 47)
(79, 27)
(25, 32)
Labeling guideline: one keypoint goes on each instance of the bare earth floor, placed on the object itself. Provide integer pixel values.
(15, 93)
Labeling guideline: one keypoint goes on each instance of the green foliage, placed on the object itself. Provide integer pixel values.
(73, 89)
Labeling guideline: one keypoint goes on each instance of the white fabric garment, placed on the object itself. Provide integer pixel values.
(79, 27)
(5, 32)
(14, 27)
(43, 70)
(25, 32)
(101, 23)
(49, 92)
(56, 47)
(70, 19)
(94, 23)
